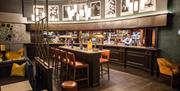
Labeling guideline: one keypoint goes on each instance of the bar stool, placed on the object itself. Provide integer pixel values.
(105, 60)
(69, 86)
(76, 67)
(57, 62)
(64, 66)
(52, 52)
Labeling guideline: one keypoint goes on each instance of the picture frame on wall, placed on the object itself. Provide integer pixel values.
(53, 11)
(95, 10)
(81, 11)
(40, 12)
(110, 8)
(136, 6)
(147, 5)
(65, 15)
(74, 12)
(127, 7)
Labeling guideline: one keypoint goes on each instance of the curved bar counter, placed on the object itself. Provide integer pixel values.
(138, 57)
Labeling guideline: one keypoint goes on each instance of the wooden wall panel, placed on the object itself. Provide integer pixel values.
(150, 21)
(12, 18)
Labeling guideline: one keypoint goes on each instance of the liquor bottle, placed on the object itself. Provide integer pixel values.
(80, 45)
(72, 41)
(89, 46)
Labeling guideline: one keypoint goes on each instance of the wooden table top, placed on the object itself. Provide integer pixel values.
(19, 86)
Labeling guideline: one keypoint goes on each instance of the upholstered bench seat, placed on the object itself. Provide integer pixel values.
(8, 80)
(5, 72)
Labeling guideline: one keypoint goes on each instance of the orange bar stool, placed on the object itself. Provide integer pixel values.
(64, 66)
(105, 60)
(69, 86)
(79, 71)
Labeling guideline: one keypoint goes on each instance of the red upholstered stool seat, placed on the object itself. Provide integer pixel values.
(103, 60)
(69, 86)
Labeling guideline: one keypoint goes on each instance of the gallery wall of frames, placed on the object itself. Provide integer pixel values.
(98, 9)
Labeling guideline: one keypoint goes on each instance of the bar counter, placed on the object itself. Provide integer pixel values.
(81, 50)
(143, 58)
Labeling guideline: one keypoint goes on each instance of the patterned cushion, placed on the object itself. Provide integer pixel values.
(18, 70)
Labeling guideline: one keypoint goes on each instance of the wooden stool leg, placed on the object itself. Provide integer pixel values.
(88, 76)
(67, 72)
(172, 81)
(56, 70)
(101, 69)
(74, 74)
(108, 71)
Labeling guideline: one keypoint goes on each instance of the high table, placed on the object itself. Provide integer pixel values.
(90, 57)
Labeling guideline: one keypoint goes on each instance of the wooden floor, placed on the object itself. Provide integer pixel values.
(128, 79)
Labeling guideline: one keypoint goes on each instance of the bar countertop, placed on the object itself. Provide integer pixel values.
(81, 50)
(109, 45)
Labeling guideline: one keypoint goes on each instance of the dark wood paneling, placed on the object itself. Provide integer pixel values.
(117, 55)
(150, 21)
(141, 58)
(137, 58)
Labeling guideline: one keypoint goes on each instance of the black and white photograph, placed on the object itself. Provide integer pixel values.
(81, 11)
(110, 8)
(136, 5)
(53, 11)
(66, 12)
(147, 5)
(126, 7)
(40, 11)
(95, 10)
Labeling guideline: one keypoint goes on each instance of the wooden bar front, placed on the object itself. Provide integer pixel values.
(91, 58)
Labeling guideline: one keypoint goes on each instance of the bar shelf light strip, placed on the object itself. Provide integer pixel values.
(117, 18)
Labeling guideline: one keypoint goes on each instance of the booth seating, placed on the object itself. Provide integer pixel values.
(5, 72)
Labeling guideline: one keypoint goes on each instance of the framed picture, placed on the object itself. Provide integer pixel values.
(74, 12)
(66, 11)
(53, 11)
(147, 5)
(40, 11)
(110, 8)
(81, 11)
(136, 5)
(127, 7)
(95, 10)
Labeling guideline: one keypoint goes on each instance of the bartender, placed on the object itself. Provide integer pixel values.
(128, 40)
